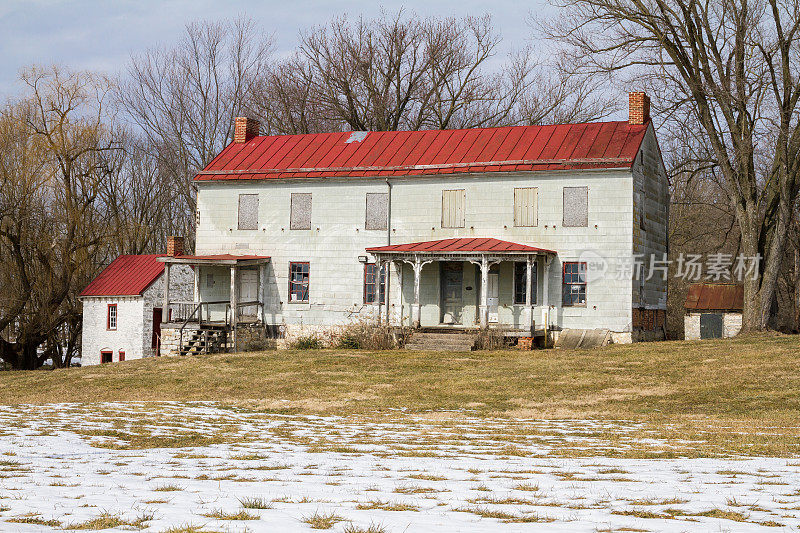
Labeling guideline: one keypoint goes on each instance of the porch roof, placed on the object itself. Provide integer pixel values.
(466, 245)
(216, 259)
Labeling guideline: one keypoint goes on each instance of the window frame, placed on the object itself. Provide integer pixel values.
(307, 282)
(367, 219)
(239, 213)
(381, 282)
(564, 224)
(517, 222)
(121, 356)
(463, 199)
(103, 354)
(570, 284)
(534, 282)
(108, 317)
(292, 226)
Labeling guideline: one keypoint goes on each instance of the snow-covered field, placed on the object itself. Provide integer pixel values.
(70, 466)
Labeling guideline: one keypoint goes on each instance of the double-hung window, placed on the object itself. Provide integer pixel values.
(372, 282)
(111, 317)
(298, 282)
(574, 284)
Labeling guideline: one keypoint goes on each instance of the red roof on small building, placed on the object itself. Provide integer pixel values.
(460, 245)
(127, 275)
(403, 153)
(715, 297)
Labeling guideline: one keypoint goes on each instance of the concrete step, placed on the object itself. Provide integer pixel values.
(452, 342)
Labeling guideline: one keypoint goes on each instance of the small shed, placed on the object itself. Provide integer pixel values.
(713, 310)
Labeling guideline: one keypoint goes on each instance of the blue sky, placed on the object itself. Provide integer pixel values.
(101, 34)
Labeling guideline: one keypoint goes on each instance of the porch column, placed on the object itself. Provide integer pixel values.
(262, 284)
(529, 293)
(545, 293)
(233, 302)
(399, 310)
(165, 311)
(483, 308)
(416, 311)
(378, 300)
(388, 276)
(196, 298)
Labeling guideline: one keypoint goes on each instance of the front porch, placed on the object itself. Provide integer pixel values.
(228, 295)
(467, 284)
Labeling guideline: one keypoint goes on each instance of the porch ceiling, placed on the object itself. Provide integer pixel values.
(216, 259)
(466, 246)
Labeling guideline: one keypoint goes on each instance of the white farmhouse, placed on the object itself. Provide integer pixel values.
(122, 311)
(524, 229)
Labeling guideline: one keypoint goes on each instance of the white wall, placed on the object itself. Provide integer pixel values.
(134, 331)
(96, 336)
(338, 237)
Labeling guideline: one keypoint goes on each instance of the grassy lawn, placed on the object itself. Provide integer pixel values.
(743, 392)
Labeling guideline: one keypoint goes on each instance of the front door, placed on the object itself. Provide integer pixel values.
(452, 276)
(493, 296)
(248, 292)
(156, 341)
(710, 326)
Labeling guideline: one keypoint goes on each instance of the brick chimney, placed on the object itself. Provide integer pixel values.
(174, 246)
(245, 129)
(638, 108)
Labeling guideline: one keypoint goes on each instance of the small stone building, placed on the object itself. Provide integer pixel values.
(122, 308)
(713, 311)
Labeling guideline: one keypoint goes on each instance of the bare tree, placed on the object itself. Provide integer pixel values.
(185, 97)
(51, 167)
(401, 72)
(731, 65)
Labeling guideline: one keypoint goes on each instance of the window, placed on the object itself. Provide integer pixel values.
(106, 357)
(574, 283)
(453, 208)
(111, 318)
(298, 282)
(377, 211)
(248, 211)
(576, 206)
(121, 355)
(370, 273)
(525, 201)
(520, 277)
(300, 217)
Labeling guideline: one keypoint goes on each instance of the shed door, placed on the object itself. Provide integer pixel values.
(711, 326)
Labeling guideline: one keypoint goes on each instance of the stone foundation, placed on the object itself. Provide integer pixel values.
(171, 338)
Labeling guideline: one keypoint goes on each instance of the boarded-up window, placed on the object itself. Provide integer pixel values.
(301, 211)
(248, 211)
(377, 210)
(453, 208)
(576, 206)
(525, 206)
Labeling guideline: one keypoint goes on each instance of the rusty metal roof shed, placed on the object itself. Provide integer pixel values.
(715, 297)
(429, 152)
(127, 275)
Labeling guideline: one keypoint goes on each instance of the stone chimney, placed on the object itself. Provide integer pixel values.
(245, 129)
(174, 246)
(638, 108)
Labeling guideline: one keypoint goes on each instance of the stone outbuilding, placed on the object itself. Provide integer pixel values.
(713, 310)
(122, 311)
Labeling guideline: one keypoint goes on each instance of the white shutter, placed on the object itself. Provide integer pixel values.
(453, 208)
(526, 206)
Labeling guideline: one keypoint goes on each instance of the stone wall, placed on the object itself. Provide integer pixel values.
(731, 325)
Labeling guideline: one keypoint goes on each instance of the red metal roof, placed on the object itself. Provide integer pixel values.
(403, 153)
(220, 257)
(460, 245)
(715, 297)
(127, 275)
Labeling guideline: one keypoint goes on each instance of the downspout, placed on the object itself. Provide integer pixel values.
(388, 242)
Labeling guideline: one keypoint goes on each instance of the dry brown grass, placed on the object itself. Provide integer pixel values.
(730, 395)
